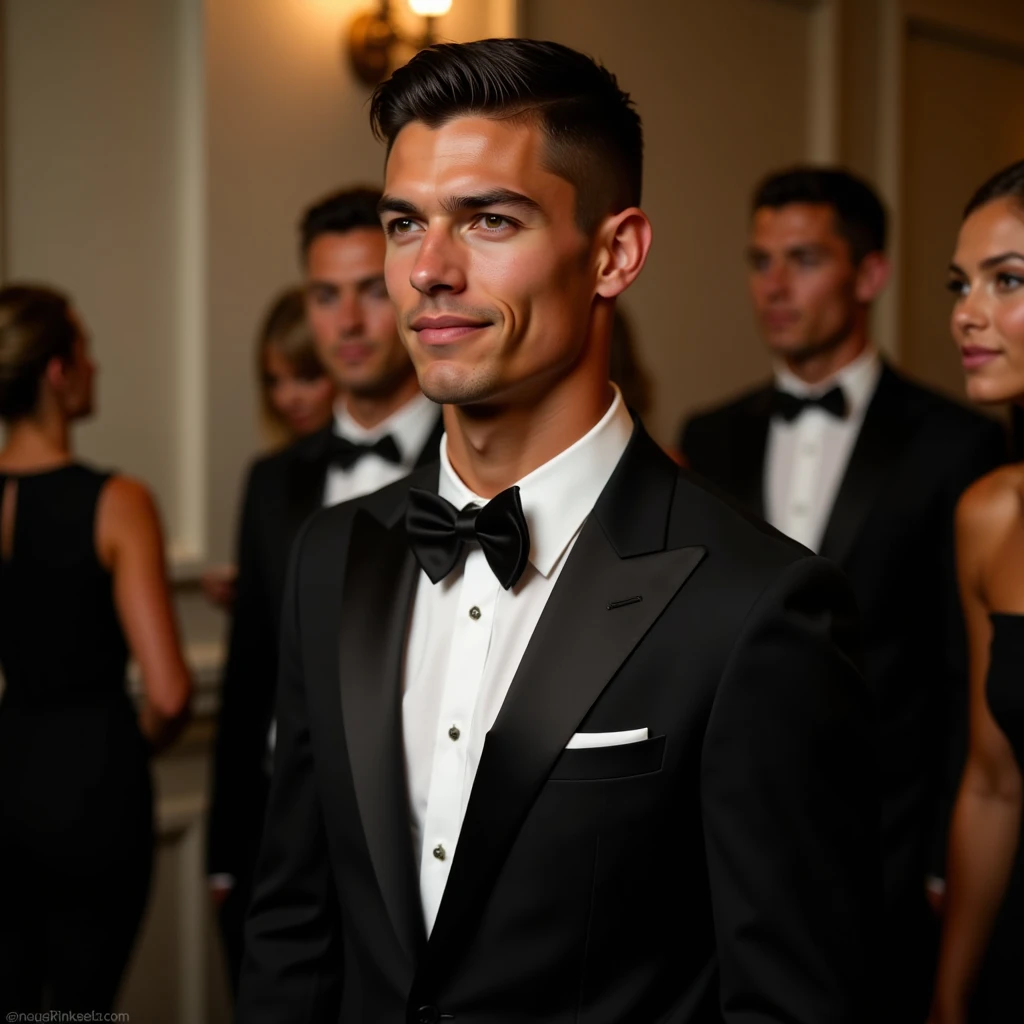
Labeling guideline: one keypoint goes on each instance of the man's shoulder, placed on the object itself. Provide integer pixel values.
(328, 525)
(710, 434)
(747, 551)
(750, 402)
(277, 463)
(936, 406)
(946, 433)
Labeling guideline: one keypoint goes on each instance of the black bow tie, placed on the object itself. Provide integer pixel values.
(789, 406)
(437, 530)
(340, 451)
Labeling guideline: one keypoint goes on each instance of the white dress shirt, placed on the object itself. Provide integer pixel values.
(806, 459)
(467, 636)
(410, 426)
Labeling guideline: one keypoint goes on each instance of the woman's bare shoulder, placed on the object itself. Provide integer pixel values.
(125, 498)
(127, 519)
(992, 509)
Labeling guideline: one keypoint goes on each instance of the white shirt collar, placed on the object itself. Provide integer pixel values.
(858, 380)
(410, 426)
(558, 496)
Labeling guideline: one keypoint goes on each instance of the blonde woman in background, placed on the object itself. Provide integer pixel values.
(979, 975)
(296, 398)
(82, 585)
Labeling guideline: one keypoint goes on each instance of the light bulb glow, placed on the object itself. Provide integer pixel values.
(430, 8)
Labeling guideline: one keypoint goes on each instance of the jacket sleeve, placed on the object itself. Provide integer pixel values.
(791, 809)
(291, 973)
(239, 781)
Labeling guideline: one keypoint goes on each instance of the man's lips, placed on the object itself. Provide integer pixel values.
(778, 319)
(352, 351)
(445, 330)
(973, 356)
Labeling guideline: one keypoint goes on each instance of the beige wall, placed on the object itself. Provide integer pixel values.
(90, 164)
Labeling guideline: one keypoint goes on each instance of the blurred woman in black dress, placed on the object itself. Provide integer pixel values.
(82, 585)
(980, 975)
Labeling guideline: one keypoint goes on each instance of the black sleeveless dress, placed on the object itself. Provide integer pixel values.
(76, 818)
(999, 995)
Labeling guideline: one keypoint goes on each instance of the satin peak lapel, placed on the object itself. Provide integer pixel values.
(379, 588)
(590, 625)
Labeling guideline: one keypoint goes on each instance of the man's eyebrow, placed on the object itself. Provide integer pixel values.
(492, 197)
(370, 280)
(392, 204)
(457, 204)
(994, 261)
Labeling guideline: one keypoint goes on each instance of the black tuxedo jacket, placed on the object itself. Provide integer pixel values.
(283, 489)
(891, 531)
(724, 869)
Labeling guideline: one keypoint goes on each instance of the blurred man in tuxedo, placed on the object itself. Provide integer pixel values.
(562, 735)
(863, 466)
(383, 427)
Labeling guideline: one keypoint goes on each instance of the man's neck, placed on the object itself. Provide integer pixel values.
(491, 450)
(370, 411)
(824, 365)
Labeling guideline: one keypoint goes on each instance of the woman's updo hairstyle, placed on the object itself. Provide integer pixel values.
(1007, 184)
(35, 327)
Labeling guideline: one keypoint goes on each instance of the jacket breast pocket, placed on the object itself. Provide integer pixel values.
(619, 762)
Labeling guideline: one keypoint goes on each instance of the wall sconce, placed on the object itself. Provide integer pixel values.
(374, 36)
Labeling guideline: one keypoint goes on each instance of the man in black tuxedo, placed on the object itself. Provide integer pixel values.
(863, 466)
(384, 427)
(562, 735)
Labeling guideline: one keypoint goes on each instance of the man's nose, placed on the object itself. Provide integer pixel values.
(350, 314)
(438, 266)
(775, 280)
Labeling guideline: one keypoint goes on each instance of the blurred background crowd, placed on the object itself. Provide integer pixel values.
(197, 178)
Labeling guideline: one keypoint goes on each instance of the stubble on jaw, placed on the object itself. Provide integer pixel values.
(452, 385)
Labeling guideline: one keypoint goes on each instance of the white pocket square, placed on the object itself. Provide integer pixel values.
(587, 740)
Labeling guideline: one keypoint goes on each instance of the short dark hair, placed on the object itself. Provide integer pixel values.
(595, 137)
(339, 213)
(860, 216)
(1007, 184)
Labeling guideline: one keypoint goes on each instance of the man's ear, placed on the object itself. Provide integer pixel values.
(624, 241)
(872, 276)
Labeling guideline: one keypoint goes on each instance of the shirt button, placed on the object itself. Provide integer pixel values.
(800, 510)
(474, 612)
(809, 449)
(439, 852)
(453, 733)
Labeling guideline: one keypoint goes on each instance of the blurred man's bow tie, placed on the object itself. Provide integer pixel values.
(345, 453)
(790, 406)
